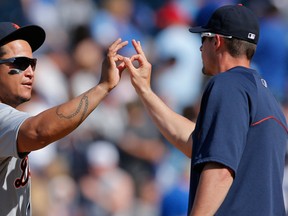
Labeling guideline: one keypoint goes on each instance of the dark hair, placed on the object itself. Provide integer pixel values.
(238, 48)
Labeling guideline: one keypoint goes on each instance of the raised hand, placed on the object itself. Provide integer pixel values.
(140, 74)
(112, 65)
(174, 127)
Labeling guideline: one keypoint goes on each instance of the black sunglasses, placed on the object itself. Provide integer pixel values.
(21, 63)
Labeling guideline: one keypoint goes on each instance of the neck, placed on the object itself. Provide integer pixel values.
(227, 62)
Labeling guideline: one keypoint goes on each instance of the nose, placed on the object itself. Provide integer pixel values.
(29, 72)
(201, 48)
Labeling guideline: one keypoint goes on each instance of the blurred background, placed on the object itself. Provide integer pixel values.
(117, 163)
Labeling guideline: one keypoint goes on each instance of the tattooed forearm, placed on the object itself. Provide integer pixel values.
(81, 110)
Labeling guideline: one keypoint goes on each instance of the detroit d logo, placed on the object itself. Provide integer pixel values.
(23, 180)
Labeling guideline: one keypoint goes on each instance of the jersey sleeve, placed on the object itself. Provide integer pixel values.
(222, 124)
(10, 122)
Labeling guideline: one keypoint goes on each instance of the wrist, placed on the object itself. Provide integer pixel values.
(103, 88)
(145, 93)
(106, 86)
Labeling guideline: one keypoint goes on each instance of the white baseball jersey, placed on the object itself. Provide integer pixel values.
(14, 168)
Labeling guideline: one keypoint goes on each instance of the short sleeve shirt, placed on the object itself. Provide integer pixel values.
(241, 126)
(14, 169)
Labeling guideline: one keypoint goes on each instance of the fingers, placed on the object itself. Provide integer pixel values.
(128, 64)
(138, 48)
(113, 49)
(121, 66)
(137, 57)
(140, 58)
(112, 52)
(112, 65)
(116, 46)
(113, 56)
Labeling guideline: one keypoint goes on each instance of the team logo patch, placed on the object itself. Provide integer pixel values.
(264, 83)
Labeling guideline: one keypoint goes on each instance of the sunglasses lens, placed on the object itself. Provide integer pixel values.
(23, 63)
(33, 63)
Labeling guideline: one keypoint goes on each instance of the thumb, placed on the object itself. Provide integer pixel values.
(128, 63)
(121, 67)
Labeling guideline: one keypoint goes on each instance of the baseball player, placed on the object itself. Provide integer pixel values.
(237, 146)
(21, 133)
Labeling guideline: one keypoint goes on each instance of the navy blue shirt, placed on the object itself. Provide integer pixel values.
(242, 126)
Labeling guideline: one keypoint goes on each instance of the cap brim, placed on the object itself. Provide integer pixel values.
(33, 34)
(198, 29)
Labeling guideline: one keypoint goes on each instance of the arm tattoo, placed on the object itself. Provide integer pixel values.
(83, 105)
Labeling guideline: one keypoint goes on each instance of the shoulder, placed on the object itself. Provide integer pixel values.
(236, 75)
(238, 78)
(6, 109)
(10, 114)
(236, 84)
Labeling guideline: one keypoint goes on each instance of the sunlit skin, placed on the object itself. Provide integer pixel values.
(15, 88)
(208, 57)
(55, 123)
(216, 58)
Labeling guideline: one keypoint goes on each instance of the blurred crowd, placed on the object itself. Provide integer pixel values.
(117, 163)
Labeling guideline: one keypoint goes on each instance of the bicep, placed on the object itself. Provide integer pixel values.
(27, 136)
(37, 132)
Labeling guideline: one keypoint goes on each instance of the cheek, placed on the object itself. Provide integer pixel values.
(207, 63)
(4, 83)
(206, 57)
(10, 84)
(5, 89)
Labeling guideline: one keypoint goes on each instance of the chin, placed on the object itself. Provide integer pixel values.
(207, 72)
(204, 71)
(23, 99)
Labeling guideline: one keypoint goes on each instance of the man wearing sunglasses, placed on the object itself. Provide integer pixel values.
(238, 144)
(21, 133)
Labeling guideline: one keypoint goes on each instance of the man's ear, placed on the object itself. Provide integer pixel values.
(218, 41)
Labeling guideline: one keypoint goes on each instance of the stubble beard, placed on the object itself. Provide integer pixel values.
(204, 71)
(21, 100)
